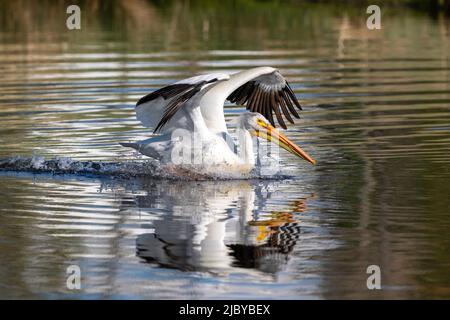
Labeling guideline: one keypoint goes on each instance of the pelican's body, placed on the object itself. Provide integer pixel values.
(190, 119)
(201, 150)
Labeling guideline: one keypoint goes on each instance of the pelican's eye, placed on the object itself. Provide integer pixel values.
(261, 123)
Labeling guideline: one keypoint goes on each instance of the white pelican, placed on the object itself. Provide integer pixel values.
(190, 118)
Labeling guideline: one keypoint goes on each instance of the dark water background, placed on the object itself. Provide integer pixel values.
(376, 117)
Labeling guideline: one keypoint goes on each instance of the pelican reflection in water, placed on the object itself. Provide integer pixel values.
(214, 226)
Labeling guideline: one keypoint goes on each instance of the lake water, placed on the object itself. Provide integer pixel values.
(376, 117)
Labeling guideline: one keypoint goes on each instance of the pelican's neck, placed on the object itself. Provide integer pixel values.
(246, 147)
(198, 123)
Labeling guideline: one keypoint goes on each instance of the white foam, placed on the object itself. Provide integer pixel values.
(125, 169)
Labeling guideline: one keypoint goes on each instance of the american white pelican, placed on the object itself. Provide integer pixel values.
(190, 118)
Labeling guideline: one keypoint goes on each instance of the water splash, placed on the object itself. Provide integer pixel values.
(125, 169)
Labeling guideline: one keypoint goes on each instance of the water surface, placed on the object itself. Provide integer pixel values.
(376, 117)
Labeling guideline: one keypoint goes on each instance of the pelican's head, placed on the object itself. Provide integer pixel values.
(259, 126)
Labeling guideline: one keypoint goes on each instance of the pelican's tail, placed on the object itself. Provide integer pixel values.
(145, 147)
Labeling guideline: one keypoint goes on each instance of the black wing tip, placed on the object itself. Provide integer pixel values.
(291, 93)
(282, 101)
(283, 125)
(140, 101)
(147, 98)
(178, 103)
(167, 92)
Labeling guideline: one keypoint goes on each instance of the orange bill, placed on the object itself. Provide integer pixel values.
(277, 137)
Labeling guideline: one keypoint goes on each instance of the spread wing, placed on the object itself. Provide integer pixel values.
(160, 109)
(267, 94)
(261, 89)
